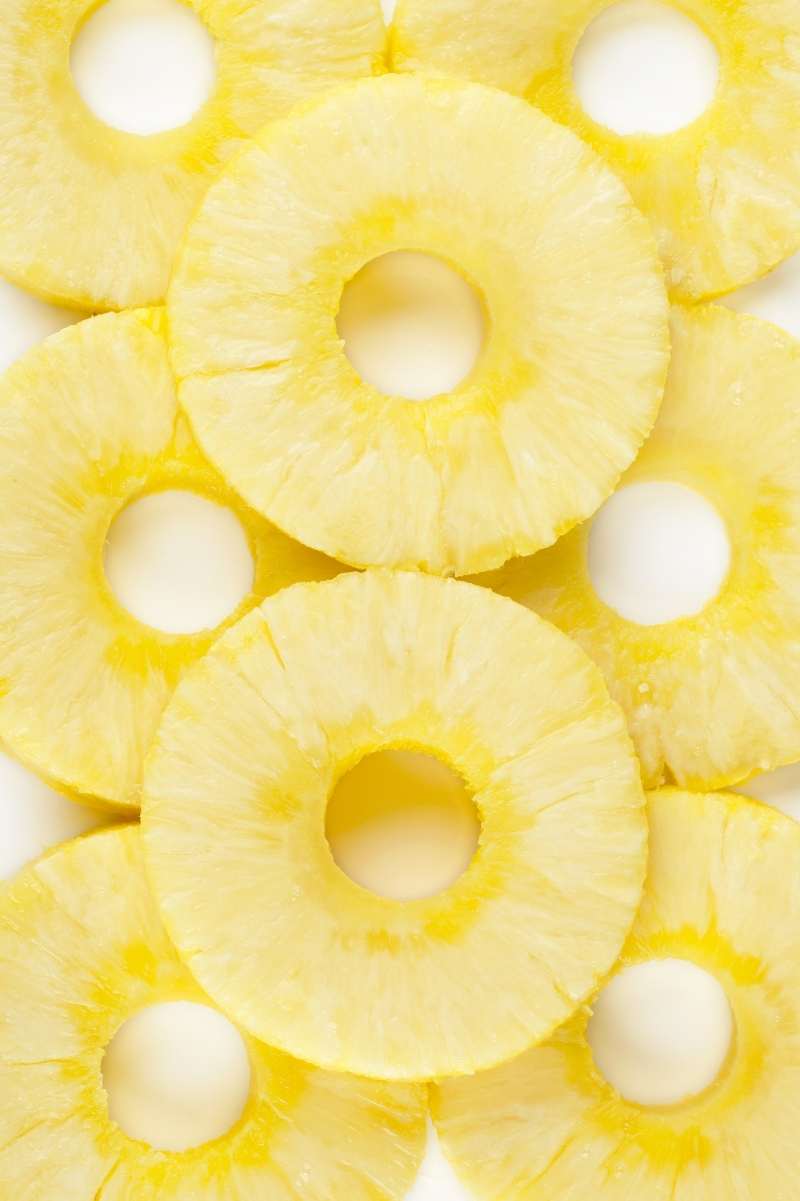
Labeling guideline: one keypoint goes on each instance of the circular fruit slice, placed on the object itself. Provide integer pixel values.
(570, 376)
(91, 216)
(722, 193)
(82, 950)
(249, 753)
(722, 895)
(88, 423)
(710, 698)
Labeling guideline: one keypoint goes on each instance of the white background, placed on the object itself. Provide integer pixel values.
(658, 74)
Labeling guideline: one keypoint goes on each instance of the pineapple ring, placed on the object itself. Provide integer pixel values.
(91, 216)
(710, 699)
(723, 193)
(89, 422)
(250, 751)
(571, 374)
(721, 893)
(82, 950)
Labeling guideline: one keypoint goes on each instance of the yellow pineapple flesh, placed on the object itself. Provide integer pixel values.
(723, 193)
(88, 423)
(570, 377)
(237, 787)
(82, 950)
(710, 698)
(91, 216)
(722, 893)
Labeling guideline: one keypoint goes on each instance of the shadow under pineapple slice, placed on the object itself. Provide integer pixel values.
(722, 192)
(88, 423)
(722, 893)
(572, 369)
(92, 216)
(250, 752)
(711, 698)
(82, 950)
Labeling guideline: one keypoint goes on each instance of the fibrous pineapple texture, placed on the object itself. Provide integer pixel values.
(237, 787)
(722, 893)
(82, 950)
(570, 377)
(712, 698)
(89, 422)
(723, 193)
(91, 216)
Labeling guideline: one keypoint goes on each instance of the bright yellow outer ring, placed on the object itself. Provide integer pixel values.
(237, 786)
(82, 950)
(572, 369)
(91, 216)
(88, 423)
(710, 699)
(721, 892)
(723, 193)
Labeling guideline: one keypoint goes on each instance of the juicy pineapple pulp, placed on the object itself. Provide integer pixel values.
(710, 699)
(723, 893)
(82, 950)
(237, 785)
(89, 422)
(91, 216)
(570, 377)
(723, 193)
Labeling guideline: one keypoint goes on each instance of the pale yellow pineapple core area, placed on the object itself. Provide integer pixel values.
(86, 969)
(709, 693)
(89, 433)
(722, 191)
(721, 896)
(402, 824)
(331, 264)
(69, 73)
(315, 715)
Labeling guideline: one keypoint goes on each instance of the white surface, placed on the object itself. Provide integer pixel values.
(144, 66)
(178, 562)
(31, 816)
(403, 825)
(412, 326)
(635, 54)
(657, 552)
(177, 1075)
(661, 1031)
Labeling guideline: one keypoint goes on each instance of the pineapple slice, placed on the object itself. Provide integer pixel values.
(82, 950)
(237, 786)
(89, 422)
(723, 193)
(91, 216)
(710, 699)
(722, 893)
(570, 377)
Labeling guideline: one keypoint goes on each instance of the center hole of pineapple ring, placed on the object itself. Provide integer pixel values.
(402, 824)
(657, 552)
(645, 67)
(178, 562)
(144, 66)
(176, 1075)
(661, 1032)
(412, 326)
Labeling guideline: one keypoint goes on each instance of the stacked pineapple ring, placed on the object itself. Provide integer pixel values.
(711, 698)
(82, 950)
(92, 216)
(722, 193)
(88, 423)
(721, 867)
(252, 745)
(570, 376)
